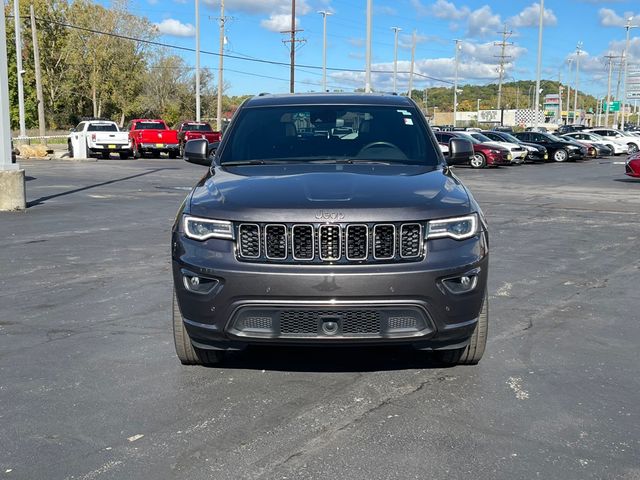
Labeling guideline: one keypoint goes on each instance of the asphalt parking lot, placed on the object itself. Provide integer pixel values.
(90, 387)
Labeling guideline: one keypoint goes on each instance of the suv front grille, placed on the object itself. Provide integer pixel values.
(331, 243)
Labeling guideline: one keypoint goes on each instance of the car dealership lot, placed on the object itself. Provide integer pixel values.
(91, 388)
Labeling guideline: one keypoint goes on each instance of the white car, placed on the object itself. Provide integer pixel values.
(518, 152)
(590, 137)
(98, 137)
(619, 137)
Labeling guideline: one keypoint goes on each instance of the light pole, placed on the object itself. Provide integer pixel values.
(569, 90)
(18, 32)
(198, 60)
(367, 75)
(455, 85)
(575, 98)
(395, 58)
(478, 110)
(324, 14)
(536, 120)
(628, 27)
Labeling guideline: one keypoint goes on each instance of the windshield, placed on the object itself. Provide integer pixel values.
(197, 127)
(102, 127)
(557, 139)
(467, 136)
(481, 137)
(150, 126)
(328, 134)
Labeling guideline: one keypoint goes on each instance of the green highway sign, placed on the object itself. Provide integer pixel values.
(615, 107)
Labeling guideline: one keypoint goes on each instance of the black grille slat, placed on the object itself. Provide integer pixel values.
(299, 323)
(384, 242)
(303, 242)
(249, 240)
(410, 240)
(330, 242)
(357, 242)
(308, 322)
(275, 241)
(360, 322)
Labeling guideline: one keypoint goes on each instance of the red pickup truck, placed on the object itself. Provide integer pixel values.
(193, 130)
(152, 136)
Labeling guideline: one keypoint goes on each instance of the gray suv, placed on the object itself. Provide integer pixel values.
(329, 219)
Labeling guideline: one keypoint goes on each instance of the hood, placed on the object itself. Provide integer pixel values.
(507, 145)
(316, 193)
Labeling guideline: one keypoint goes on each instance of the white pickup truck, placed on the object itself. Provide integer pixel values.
(98, 137)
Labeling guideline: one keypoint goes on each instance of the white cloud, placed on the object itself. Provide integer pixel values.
(278, 22)
(447, 10)
(262, 7)
(609, 18)
(173, 27)
(530, 16)
(483, 22)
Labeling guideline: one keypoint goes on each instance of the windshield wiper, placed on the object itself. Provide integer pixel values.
(244, 162)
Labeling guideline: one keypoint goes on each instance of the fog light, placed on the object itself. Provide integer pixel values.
(197, 284)
(461, 284)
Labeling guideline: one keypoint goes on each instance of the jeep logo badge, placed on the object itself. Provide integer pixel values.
(324, 215)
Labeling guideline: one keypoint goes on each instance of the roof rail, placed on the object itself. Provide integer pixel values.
(263, 94)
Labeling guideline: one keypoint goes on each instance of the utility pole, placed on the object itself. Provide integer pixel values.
(197, 60)
(559, 97)
(575, 100)
(455, 85)
(395, 58)
(539, 66)
(628, 27)
(503, 45)
(367, 75)
(220, 69)
(413, 62)
(620, 68)
(18, 31)
(569, 90)
(608, 109)
(36, 60)
(293, 41)
(324, 14)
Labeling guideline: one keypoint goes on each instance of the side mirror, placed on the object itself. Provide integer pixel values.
(460, 151)
(72, 130)
(197, 151)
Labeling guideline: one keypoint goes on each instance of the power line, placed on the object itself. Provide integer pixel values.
(225, 55)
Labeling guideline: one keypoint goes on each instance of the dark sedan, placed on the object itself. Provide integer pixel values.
(560, 150)
(535, 153)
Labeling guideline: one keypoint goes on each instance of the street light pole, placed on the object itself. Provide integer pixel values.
(536, 110)
(18, 31)
(367, 75)
(324, 14)
(625, 55)
(455, 85)
(197, 60)
(575, 98)
(569, 91)
(478, 114)
(395, 58)
(220, 70)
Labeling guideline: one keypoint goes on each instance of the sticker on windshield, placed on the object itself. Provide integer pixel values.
(408, 121)
(404, 112)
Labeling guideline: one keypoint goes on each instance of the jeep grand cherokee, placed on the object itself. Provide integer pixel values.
(327, 220)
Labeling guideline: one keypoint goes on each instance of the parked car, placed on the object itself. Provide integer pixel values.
(535, 153)
(502, 128)
(560, 149)
(152, 136)
(620, 137)
(518, 152)
(192, 130)
(595, 139)
(294, 239)
(562, 129)
(98, 137)
(536, 129)
(632, 167)
(484, 154)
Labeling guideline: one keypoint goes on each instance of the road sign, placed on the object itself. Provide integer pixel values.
(615, 107)
(633, 84)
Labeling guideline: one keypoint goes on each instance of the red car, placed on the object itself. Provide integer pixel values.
(633, 166)
(152, 136)
(484, 154)
(193, 130)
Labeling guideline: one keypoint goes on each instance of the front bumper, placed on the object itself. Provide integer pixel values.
(499, 159)
(405, 303)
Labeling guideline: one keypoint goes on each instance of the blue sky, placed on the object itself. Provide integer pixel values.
(253, 32)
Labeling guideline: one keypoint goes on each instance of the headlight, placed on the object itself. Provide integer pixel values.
(459, 228)
(204, 228)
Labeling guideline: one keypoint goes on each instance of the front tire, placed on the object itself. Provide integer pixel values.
(187, 353)
(472, 353)
(70, 147)
(560, 155)
(633, 148)
(136, 152)
(478, 160)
